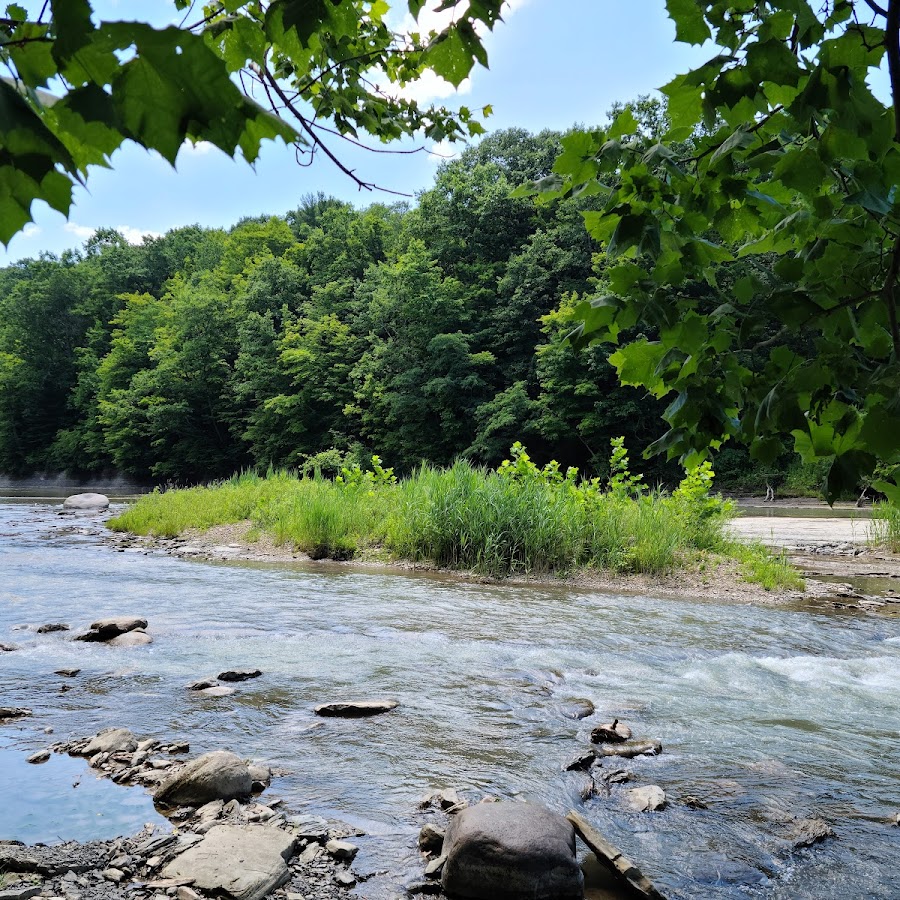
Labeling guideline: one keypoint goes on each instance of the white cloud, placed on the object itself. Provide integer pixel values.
(80, 231)
(136, 235)
(30, 230)
(443, 151)
(201, 148)
(129, 232)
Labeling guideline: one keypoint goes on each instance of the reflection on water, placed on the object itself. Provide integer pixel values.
(63, 799)
(766, 714)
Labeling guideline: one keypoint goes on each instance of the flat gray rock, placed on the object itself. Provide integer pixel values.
(507, 851)
(88, 501)
(630, 749)
(116, 625)
(219, 775)
(111, 740)
(242, 862)
(352, 709)
(577, 709)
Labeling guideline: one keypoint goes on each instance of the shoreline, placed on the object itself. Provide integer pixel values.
(719, 582)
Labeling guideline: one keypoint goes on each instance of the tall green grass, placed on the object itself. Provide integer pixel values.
(884, 528)
(519, 519)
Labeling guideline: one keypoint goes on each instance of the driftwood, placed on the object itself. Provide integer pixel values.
(621, 866)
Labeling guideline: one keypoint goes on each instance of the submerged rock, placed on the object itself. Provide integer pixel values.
(89, 501)
(584, 759)
(243, 862)
(13, 712)
(50, 627)
(614, 732)
(356, 708)
(67, 673)
(511, 850)
(219, 775)
(807, 832)
(8, 648)
(202, 684)
(216, 690)
(577, 709)
(646, 799)
(630, 749)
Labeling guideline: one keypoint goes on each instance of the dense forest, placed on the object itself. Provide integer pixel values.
(417, 332)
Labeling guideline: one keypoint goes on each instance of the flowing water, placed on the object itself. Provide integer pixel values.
(766, 714)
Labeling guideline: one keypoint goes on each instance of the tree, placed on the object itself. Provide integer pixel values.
(778, 151)
(322, 70)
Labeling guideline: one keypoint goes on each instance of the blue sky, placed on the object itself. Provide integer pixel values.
(553, 63)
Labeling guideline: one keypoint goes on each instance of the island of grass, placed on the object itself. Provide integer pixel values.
(519, 519)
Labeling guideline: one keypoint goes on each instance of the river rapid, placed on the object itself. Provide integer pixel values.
(766, 714)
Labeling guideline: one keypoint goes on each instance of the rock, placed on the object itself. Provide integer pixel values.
(447, 799)
(261, 776)
(111, 740)
(646, 799)
(614, 732)
(435, 867)
(107, 629)
(135, 638)
(577, 709)
(511, 850)
(219, 775)
(202, 684)
(896, 820)
(86, 501)
(22, 892)
(239, 674)
(431, 839)
(114, 875)
(355, 708)
(343, 850)
(51, 627)
(116, 625)
(581, 760)
(8, 648)
(218, 690)
(243, 862)
(13, 712)
(40, 757)
(630, 749)
(345, 879)
(621, 866)
(67, 673)
(186, 893)
(615, 776)
(810, 831)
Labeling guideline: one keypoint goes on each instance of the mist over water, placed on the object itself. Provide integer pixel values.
(766, 714)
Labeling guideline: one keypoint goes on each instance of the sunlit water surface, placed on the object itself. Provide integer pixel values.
(766, 714)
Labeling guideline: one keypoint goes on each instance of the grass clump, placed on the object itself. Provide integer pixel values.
(517, 519)
(884, 528)
(771, 571)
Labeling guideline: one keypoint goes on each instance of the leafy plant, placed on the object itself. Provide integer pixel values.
(772, 183)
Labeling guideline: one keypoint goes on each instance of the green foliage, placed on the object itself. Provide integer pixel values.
(518, 519)
(884, 529)
(757, 565)
(317, 62)
(752, 255)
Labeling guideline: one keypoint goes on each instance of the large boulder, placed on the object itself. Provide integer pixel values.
(219, 775)
(88, 501)
(502, 851)
(242, 862)
(136, 638)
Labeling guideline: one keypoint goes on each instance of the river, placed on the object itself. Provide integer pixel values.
(766, 714)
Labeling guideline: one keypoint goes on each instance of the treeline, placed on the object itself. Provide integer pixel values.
(422, 333)
(425, 332)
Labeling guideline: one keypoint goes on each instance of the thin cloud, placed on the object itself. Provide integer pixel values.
(129, 232)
